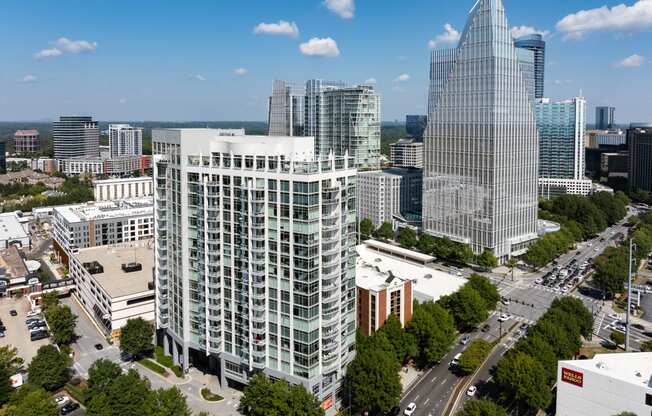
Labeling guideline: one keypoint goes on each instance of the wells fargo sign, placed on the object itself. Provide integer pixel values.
(572, 377)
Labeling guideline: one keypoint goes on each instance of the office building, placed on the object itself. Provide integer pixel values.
(605, 118)
(384, 195)
(13, 230)
(115, 284)
(26, 142)
(125, 140)
(255, 260)
(406, 153)
(93, 224)
(44, 164)
(286, 109)
(481, 169)
(639, 143)
(561, 147)
(117, 166)
(605, 385)
(537, 45)
(415, 126)
(596, 139)
(76, 137)
(123, 188)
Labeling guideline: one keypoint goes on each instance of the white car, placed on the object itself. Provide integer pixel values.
(61, 400)
(471, 391)
(538, 281)
(32, 313)
(504, 318)
(410, 409)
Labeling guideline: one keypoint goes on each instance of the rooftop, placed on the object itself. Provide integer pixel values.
(122, 180)
(26, 133)
(106, 209)
(373, 270)
(115, 282)
(634, 368)
(13, 264)
(11, 227)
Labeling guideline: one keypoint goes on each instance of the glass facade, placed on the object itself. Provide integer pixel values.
(605, 118)
(537, 45)
(481, 156)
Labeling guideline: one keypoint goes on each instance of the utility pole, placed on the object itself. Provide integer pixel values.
(629, 294)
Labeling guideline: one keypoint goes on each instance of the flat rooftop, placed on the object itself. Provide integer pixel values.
(634, 368)
(13, 263)
(11, 227)
(399, 251)
(122, 180)
(115, 282)
(106, 209)
(373, 267)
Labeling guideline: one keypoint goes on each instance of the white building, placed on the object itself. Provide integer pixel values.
(255, 260)
(13, 231)
(407, 153)
(550, 187)
(125, 140)
(115, 283)
(125, 188)
(119, 165)
(101, 223)
(605, 385)
(387, 193)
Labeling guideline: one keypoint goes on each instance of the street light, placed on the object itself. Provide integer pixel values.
(632, 247)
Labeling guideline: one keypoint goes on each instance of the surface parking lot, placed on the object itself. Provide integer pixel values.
(17, 334)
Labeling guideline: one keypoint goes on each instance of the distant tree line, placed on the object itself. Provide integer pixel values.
(76, 191)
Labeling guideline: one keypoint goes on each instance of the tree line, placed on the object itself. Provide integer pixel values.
(75, 191)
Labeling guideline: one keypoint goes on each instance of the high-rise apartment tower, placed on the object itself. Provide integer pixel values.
(76, 136)
(125, 140)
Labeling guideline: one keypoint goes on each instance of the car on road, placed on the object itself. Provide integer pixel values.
(504, 318)
(13, 312)
(538, 281)
(61, 400)
(456, 360)
(395, 411)
(471, 391)
(69, 408)
(465, 339)
(614, 316)
(639, 327)
(31, 314)
(99, 347)
(485, 328)
(524, 327)
(505, 301)
(410, 409)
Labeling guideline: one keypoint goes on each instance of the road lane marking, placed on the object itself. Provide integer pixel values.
(426, 402)
(433, 379)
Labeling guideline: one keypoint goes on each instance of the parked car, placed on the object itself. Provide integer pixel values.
(504, 318)
(99, 347)
(465, 339)
(471, 391)
(33, 313)
(13, 312)
(35, 336)
(485, 328)
(69, 408)
(62, 400)
(410, 409)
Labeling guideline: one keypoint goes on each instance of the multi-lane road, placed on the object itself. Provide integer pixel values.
(439, 392)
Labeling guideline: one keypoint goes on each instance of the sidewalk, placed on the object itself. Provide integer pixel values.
(409, 375)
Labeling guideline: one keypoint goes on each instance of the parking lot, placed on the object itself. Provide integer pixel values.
(17, 333)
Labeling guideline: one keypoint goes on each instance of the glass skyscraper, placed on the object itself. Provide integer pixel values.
(415, 126)
(536, 44)
(286, 109)
(481, 145)
(605, 118)
(76, 137)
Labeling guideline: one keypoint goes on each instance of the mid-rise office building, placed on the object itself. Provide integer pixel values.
(415, 126)
(383, 195)
(123, 188)
(255, 260)
(125, 140)
(639, 143)
(287, 109)
(481, 145)
(117, 166)
(605, 385)
(27, 142)
(92, 224)
(605, 118)
(596, 139)
(537, 45)
(76, 136)
(407, 153)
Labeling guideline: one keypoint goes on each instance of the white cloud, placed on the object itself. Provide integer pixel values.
(449, 37)
(343, 8)
(322, 47)
(370, 81)
(633, 61)
(563, 81)
(519, 31)
(29, 78)
(402, 78)
(620, 18)
(66, 46)
(122, 100)
(240, 72)
(198, 77)
(282, 28)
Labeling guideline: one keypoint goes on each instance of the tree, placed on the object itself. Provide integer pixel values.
(128, 394)
(49, 368)
(487, 260)
(385, 231)
(611, 271)
(434, 330)
(523, 379)
(481, 408)
(49, 299)
(487, 290)
(30, 400)
(646, 346)
(512, 263)
(101, 374)
(168, 402)
(467, 307)
(62, 324)
(474, 356)
(578, 312)
(262, 397)
(10, 363)
(626, 414)
(403, 343)
(538, 348)
(366, 228)
(136, 337)
(407, 237)
(617, 337)
(426, 243)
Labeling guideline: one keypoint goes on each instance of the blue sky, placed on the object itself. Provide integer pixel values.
(201, 60)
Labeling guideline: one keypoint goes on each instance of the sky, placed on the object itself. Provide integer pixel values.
(173, 60)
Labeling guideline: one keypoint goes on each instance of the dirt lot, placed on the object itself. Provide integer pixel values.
(17, 333)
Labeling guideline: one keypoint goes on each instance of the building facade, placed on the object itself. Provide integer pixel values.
(27, 142)
(536, 44)
(596, 139)
(126, 188)
(125, 140)
(287, 109)
(415, 126)
(117, 166)
(639, 143)
(407, 153)
(605, 118)
(76, 136)
(382, 195)
(481, 145)
(255, 260)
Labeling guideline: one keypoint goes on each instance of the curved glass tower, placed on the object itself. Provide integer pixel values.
(535, 43)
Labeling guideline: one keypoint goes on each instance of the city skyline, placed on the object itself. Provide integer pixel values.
(211, 71)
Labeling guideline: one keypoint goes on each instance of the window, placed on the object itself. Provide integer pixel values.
(648, 399)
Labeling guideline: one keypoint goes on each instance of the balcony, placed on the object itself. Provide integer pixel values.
(330, 347)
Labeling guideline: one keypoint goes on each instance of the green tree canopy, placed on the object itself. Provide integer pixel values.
(403, 342)
(366, 228)
(10, 363)
(434, 330)
(486, 289)
(473, 357)
(617, 337)
(128, 394)
(407, 237)
(136, 337)
(576, 310)
(426, 243)
(481, 408)
(62, 324)
(49, 368)
(467, 307)
(523, 379)
(101, 374)
(487, 260)
(262, 397)
(611, 270)
(646, 346)
(30, 400)
(168, 402)
(385, 231)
